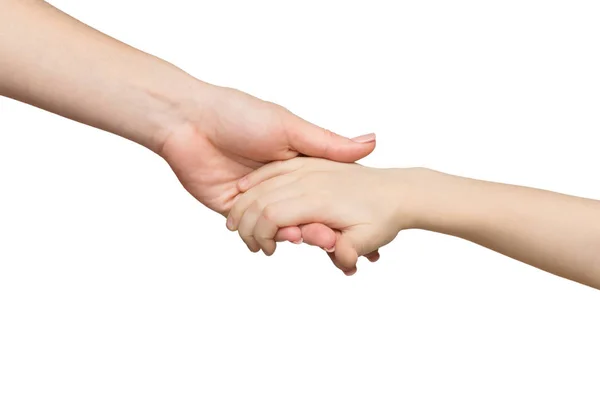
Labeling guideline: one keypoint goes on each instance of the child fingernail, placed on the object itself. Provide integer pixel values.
(331, 250)
(370, 137)
(298, 241)
(243, 183)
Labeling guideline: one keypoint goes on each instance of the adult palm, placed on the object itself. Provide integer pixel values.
(232, 133)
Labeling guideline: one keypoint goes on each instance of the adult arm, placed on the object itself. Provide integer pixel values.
(52, 61)
(211, 136)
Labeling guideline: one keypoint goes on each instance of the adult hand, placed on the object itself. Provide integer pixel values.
(210, 136)
(230, 133)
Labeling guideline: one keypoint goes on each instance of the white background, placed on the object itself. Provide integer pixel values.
(116, 284)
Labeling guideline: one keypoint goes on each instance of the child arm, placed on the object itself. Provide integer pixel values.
(554, 232)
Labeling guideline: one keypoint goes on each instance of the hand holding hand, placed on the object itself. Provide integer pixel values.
(211, 136)
(366, 206)
(227, 134)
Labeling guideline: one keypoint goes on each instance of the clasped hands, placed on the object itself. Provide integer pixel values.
(238, 155)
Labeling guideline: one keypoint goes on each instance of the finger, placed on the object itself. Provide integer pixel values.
(346, 271)
(246, 227)
(313, 234)
(289, 234)
(320, 235)
(252, 244)
(269, 171)
(335, 262)
(251, 216)
(314, 141)
(373, 256)
(244, 201)
(332, 257)
(290, 212)
(345, 255)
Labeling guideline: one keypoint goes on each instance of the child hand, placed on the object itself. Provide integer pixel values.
(362, 203)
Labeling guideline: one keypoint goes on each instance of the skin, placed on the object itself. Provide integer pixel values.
(368, 207)
(210, 136)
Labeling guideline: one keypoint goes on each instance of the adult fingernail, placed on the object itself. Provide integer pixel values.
(229, 223)
(369, 137)
(331, 250)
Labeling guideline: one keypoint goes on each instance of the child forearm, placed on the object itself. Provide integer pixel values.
(554, 232)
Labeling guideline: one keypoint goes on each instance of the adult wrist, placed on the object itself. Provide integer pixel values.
(181, 105)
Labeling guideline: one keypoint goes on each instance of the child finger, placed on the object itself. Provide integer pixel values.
(372, 256)
(346, 255)
(289, 212)
(251, 215)
(251, 243)
(247, 199)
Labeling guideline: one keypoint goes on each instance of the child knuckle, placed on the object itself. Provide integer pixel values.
(269, 213)
(257, 206)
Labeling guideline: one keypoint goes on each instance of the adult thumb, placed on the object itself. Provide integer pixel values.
(314, 141)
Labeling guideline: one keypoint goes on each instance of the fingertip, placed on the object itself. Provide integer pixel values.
(368, 138)
(337, 264)
(230, 224)
(373, 256)
(315, 141)
(345, 254)
(243, 184)
(254, 248)
(289, 234)
(320, 235)
(355, 148)
(269, 248)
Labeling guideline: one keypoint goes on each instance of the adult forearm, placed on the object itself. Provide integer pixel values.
(551, 231)
(54, 62)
